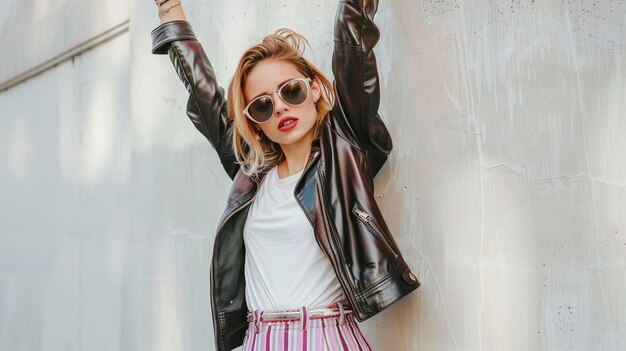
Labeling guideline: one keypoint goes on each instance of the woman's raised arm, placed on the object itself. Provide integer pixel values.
(356, 77)
(171, 10)
(206, 106)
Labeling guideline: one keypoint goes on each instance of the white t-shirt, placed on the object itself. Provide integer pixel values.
(284, 266)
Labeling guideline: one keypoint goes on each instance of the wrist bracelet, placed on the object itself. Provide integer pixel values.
(160, 3)
(162, 12)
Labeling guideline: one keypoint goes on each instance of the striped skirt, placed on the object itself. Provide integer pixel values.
(316, 334)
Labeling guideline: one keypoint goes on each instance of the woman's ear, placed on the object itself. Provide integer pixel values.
(315, 89)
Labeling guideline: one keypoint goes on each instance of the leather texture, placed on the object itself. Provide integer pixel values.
(336, 189)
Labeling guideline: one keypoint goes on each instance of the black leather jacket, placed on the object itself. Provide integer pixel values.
(335, 190)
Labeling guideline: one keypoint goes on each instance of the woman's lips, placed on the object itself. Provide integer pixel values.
(291, 123)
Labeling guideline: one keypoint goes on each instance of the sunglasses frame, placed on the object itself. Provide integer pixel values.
(307, 82)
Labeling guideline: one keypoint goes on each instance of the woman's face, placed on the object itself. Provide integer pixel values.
(264, 79)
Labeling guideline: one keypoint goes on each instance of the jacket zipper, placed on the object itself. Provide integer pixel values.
(320, 192)
(343, 277)
(216, 322)
(368, 220)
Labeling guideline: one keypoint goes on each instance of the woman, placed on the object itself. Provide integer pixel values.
(302, 249)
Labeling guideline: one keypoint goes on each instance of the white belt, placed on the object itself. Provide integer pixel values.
(271, 316)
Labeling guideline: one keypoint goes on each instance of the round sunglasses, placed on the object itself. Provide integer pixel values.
(293, 92)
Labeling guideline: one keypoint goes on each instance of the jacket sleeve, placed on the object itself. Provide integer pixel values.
(356, 78)
(206, 106)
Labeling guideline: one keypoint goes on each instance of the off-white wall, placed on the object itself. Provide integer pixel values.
(35, 31)
(506, 188)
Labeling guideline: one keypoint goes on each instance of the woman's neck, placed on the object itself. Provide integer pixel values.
(296, 157)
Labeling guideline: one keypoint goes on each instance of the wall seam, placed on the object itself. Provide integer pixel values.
(66, 55)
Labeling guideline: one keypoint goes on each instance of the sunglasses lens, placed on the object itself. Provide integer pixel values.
(261, 109)
(294, 92)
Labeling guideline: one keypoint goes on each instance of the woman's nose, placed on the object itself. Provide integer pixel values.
(279, 105)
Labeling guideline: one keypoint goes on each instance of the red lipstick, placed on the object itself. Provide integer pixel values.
(287, 123)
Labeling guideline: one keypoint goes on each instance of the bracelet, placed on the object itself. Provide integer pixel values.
(162, 12)
(160, 3)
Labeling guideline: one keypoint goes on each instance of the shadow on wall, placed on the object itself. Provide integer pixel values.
(102, 245)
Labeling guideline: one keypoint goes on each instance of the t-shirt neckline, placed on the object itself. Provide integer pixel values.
(287, 179)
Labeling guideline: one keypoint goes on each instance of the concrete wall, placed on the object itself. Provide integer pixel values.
(506, 188)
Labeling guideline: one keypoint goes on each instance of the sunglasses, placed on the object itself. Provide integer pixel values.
(293, 92)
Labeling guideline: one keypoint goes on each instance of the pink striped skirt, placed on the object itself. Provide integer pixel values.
(315, 334)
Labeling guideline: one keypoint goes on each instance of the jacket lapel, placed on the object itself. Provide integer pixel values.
(305, 189)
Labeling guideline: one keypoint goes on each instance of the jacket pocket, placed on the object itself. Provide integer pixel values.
(374, 228)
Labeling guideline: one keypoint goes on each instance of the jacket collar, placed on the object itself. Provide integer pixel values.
(244, 187)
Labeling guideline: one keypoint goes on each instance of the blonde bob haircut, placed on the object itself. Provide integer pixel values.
(256, 154)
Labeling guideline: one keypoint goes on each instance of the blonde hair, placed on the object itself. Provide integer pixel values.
(258, 155)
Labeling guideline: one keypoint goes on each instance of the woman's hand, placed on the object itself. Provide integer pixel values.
(170, 10)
